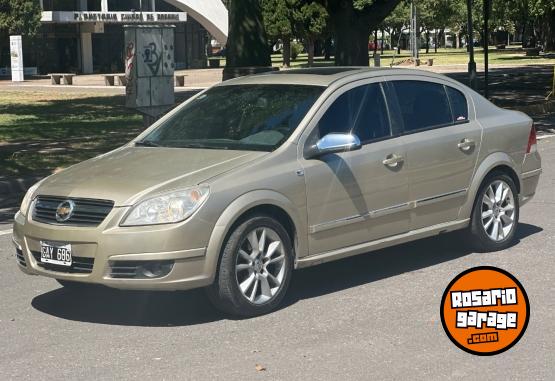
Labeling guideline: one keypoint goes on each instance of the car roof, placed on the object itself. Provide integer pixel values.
(324, 76)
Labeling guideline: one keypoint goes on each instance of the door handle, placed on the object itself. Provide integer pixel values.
(466, 145)
(393, 160)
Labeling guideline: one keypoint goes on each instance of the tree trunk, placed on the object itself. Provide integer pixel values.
(286, 51)
(310, 51)
(327, 49)
(247, 44)
(457, 40)
(352, 27)
(549, 31)
(524, 36)
(352, 46)
(427, 41)
(383, 42)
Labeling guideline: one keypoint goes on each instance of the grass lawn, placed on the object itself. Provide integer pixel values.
(442, 57)
(42, 130)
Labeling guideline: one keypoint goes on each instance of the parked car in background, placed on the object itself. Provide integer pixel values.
(261, 175)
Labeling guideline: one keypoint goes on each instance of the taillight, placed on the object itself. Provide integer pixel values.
(532, 141)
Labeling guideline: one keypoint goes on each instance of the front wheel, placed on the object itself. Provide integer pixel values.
(495, 214)
(255, 268)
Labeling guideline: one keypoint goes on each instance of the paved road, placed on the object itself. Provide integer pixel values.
(373, 316)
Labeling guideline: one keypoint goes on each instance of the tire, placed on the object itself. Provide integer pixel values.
(482, 231)
(243, 267)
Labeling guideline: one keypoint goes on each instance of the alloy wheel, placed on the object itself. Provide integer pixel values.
(498, 210)
(260, 265)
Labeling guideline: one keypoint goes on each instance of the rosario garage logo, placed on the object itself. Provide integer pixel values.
(485, 311)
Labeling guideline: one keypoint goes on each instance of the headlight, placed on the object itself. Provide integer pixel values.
(168, 208)
(24, 208)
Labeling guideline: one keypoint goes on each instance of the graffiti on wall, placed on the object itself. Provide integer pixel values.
(152, 58)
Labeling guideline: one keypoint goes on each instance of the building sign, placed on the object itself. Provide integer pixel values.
(113, 17)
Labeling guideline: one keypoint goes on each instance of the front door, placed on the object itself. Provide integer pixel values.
(443, 141)
(354, 197)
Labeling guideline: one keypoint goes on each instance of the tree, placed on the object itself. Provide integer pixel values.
(436, 15)
(534, 20)
(353, 20)
(544, 11)
(279, 20)
(20, 16)
(397, 22)
(247, 44)
(311, 22)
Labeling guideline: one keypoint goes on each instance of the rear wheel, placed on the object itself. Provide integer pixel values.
(255, 268)
(495, 214)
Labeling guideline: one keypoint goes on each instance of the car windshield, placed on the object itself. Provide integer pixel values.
(237, 117)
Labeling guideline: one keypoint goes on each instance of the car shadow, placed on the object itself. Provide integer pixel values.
(160, 309)
(371, 267)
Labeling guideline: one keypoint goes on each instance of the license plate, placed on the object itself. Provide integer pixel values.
(55, 254)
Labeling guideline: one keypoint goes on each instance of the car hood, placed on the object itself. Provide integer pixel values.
(130, 173)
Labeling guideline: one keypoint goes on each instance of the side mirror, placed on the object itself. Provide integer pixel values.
(334, 143)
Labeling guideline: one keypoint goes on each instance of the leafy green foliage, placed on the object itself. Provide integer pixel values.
(311, 19)
(279, 17)
(296, 49)
(20, 16)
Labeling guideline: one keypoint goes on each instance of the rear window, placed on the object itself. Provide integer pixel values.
(459, 106)
(424, 105)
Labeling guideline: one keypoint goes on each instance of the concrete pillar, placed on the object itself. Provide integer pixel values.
(153, 5)
(16, 53)
(86, 53)
(82, 5)
(104, 5)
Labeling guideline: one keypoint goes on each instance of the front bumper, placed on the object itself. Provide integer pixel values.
(97, 250)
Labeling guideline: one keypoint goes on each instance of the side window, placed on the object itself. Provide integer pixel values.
(459, 106)
(361, 111)
(423, 105)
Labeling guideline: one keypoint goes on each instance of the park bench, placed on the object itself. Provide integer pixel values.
(65, 78)
(180, 80)
(214, 62)
(115, 79)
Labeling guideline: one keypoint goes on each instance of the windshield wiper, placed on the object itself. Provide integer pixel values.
(146, 143)
(199, 145)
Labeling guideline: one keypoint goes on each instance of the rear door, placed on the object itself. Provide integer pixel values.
(354, 197)
(443, 140)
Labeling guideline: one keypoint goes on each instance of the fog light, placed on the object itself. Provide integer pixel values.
(154, 269)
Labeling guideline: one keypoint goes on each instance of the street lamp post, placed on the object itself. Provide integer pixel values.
(472, 62)
(487, 7)
(414, 33)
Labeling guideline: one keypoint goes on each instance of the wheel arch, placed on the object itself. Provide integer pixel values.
(496, 162)
(261, 201)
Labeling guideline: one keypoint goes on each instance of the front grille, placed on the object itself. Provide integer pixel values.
(87, 212)
(20, 257)
(79, 265)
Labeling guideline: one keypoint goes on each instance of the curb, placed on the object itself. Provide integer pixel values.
(17, 185)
